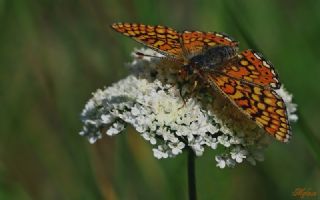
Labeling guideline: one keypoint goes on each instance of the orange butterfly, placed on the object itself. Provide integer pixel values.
(247, 79)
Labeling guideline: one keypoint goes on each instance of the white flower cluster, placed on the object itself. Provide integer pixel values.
(149, 102)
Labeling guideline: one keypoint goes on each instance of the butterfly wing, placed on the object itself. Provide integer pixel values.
(249, 81)
(162, 39)
(264, 106)
(252, 67)
(196, 41)
(170, 42)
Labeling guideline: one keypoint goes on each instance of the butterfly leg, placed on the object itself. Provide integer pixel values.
(191, 92)
(195, 84)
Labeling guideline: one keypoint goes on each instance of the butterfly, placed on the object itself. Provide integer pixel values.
(246, 78)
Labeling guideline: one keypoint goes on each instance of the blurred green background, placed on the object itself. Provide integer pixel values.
(54, 54)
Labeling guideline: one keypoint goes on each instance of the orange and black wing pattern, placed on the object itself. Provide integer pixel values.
(163, 39)
(197, 41)
(264, 106)
(249, 81)
(252, 67)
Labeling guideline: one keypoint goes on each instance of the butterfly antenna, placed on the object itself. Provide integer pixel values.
(146, 55)
(140, 54)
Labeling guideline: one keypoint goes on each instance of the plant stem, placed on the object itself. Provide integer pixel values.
(191, 175)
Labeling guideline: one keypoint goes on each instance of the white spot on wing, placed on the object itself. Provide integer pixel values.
(266, 64)
(256, 55)
(288, 136)
(273, 85)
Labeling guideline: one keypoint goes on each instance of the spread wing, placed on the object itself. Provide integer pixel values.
(196, 41)
(162, 39)
(264, 106)
(170, 42)
(249, 81)
(252, 67)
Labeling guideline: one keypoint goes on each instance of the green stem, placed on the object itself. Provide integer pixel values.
(191, 175)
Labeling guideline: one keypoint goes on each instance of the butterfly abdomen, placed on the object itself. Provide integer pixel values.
(214, 56)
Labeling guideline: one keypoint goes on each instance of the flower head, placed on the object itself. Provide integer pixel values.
(150, 100)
